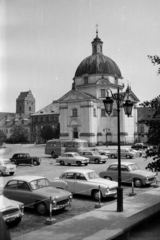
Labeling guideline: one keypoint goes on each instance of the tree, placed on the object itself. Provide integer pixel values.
(2, 137)
(48, 132)
(19, 134)
(155, 60)
(153, 122)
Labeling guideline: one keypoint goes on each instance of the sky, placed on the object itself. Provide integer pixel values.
(42, 42)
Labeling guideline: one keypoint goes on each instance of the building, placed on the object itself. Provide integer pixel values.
(81, 110)
(25, 107)
(47, 115)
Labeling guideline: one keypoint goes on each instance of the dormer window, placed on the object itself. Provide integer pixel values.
(86, 80)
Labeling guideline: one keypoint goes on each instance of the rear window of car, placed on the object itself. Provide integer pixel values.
(113, 168)
(12, 184)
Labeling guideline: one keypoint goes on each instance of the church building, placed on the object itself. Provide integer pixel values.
(81, 110)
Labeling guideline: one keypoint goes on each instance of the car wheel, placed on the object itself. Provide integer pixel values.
(69, 164)
(108, 178)
(113, 156)
(35, 163)
(86, 164)
(128, 156)
(62, 163)
(95, 194)
(137, 182)
(41, 208)
(11, 173)
(79, 163)
(53, 155)
(96, 161)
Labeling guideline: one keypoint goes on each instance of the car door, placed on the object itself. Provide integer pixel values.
(69, 177)
(125, 176)
(71, 158)
(24, 193)
(81, 184)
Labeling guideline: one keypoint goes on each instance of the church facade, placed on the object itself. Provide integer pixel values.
(81, 110)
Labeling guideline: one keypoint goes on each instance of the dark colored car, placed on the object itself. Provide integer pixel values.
(25, 158)
(138, 146)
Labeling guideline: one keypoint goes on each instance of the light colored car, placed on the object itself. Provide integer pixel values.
(72, 158)
(35, 192)
(6, 167)
(129, 172)
(137, 152)
(12, 211)
(87, 182)
(125, 153)
(94, 157)
(101, 151)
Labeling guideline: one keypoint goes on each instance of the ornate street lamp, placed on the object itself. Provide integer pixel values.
(108, 103)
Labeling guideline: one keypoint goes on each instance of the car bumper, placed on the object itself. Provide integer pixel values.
(111, 193)
(62, 204)
(11, 218)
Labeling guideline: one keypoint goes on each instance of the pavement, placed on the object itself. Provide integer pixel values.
(103, 223)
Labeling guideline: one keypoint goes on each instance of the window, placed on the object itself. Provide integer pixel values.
(103, 95)
(12, 185)
(114, 112)
(69, 176)
(124, 168)
(103, 112)
(80, 176)
(74, 112)
(29, 108)
(23, 186)
(75, 132)
(113, 168)
(44, 119)
(94, 112)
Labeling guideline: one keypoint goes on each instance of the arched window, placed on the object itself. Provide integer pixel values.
(74, 112)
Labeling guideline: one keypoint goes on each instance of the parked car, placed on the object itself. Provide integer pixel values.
(35, 192)
(87, 182)
(101, 151)
(94, 157)
(129, 172)
(138, 146)
(12, 211)
(72, 158)
(25, 158)
(137, 152)
(125, 153)
(6, 167)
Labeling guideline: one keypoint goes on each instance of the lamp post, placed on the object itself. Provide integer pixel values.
(108, 103)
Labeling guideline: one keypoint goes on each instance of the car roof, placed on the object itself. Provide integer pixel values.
(27, 178)
(78, 170)
(123, 163)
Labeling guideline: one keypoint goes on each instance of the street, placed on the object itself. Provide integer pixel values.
(50, 169)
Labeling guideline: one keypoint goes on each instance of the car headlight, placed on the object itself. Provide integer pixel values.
(54, 203)
(22, 208)
(107, 189)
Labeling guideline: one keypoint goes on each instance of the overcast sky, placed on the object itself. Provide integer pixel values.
(42, 42)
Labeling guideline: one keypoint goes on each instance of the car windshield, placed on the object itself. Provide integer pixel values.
(40, 183)
(5, 162)
(92, 175)
(76, 154)
(133, 167)
(95, 153)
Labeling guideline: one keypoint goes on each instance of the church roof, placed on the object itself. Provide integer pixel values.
(26, 96)
(48, 110)
(98, 64)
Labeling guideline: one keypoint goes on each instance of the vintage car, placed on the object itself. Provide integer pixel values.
(138, 146)
(130, 172)
(72, 158)
(101, 151)
(137, 152)
(6, 167)
(125, 153)
(94, 157)
(25, 158)
(37, 192)
(12, 211)
(87, 182)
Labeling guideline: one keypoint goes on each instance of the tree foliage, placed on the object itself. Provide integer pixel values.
(155, 60)
(48, 132)
(19, 134)
(2, 137)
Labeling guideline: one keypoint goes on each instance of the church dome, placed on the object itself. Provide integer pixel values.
(97, 63)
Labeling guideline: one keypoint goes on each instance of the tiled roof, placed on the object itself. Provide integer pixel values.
(50, 109)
